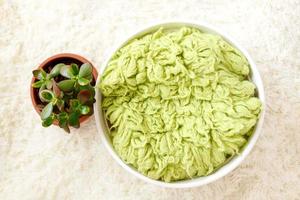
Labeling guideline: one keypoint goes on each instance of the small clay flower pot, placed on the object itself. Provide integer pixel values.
(47, 65)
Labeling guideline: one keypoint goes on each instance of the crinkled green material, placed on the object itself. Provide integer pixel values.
(179, 103)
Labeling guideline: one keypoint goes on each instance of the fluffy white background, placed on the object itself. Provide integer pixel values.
(39, 163)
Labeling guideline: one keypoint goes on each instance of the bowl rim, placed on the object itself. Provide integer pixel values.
(232, 163)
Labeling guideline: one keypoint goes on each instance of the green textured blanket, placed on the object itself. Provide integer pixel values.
(179, 103)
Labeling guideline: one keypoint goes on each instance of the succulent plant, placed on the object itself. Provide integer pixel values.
(44, 79)
(65, 93)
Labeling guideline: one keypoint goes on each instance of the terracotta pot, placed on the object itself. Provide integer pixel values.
(66, 58)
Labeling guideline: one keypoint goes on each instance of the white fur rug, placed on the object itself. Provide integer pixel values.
(39, 163)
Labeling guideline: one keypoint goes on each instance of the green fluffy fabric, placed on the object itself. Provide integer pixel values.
(179, 103)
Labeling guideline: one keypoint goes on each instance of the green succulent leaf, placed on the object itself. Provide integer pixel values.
(60, 104)
(83, 81)
(74, 119)
(36, 73)
(43, 87)
(85, 70)
(75, 68)
(48, 84)
(77, 87)
(48, 121)
(84, 110)
(39, 74)
(47, 111)
(43, 74)
(66, 128)
(67, 71)
(63, 118)
(56, 69)
(66, 85)
(83, 96)
(46, 95)
(90, 77)
(57, 92)
(37, 84)
(74, 104)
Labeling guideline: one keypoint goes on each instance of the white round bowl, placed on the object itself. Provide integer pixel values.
(231, 164)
